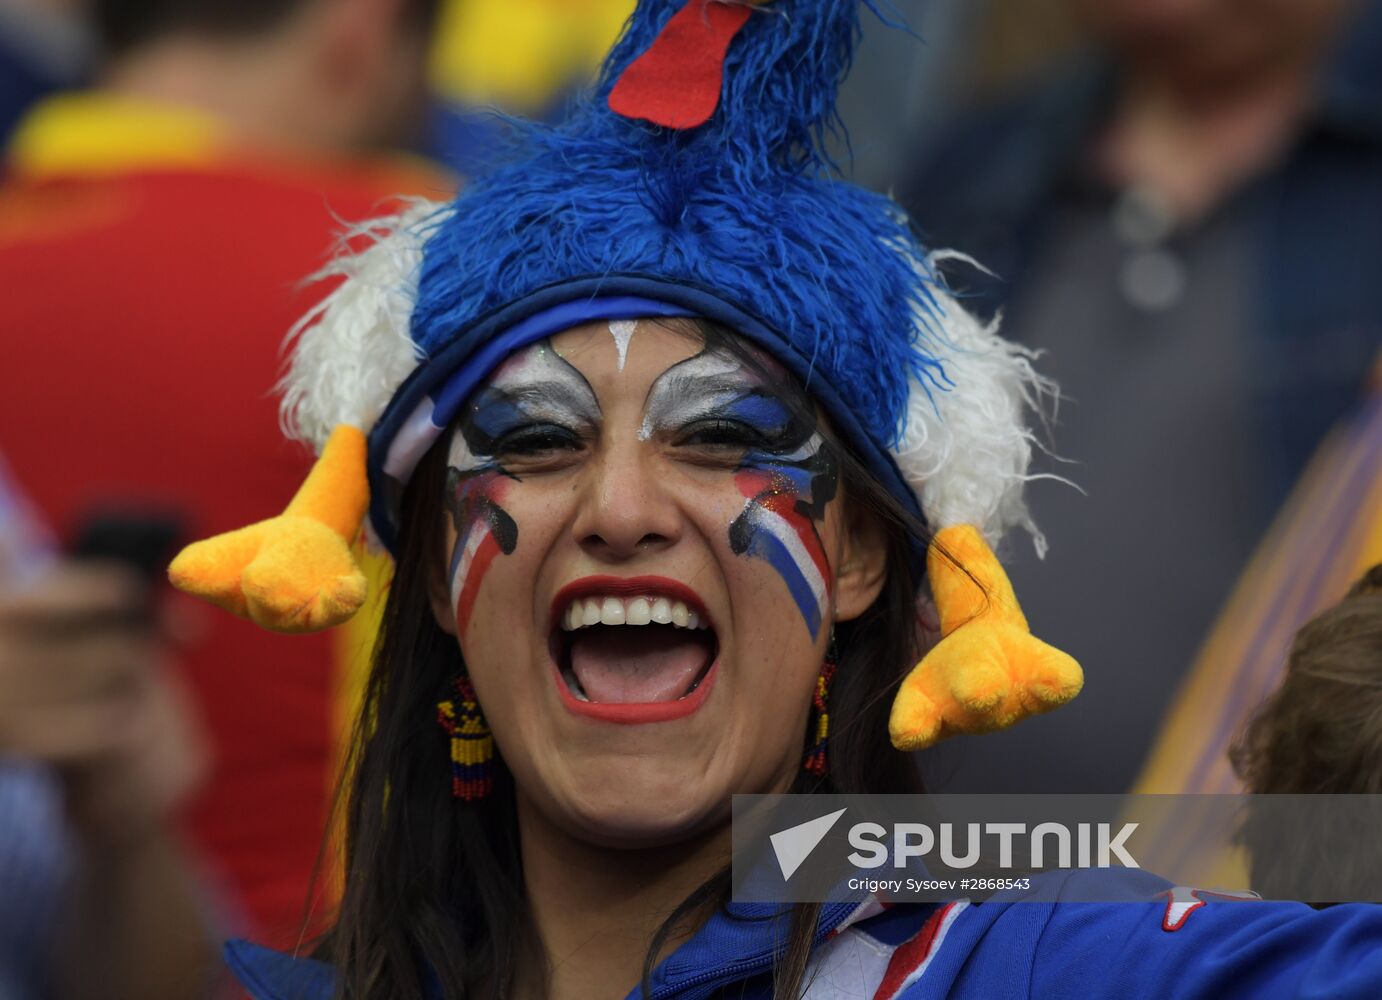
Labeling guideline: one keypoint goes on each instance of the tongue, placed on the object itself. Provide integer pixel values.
(635, 665)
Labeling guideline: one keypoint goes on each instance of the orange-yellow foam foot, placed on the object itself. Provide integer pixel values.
(988, 671)
(978, 679)
(294, 572)
(288, 574)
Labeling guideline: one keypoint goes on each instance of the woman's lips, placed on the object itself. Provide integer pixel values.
(649, 656)
(637, 713)
(626, 586)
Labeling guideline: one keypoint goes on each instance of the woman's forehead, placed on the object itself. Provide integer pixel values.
(614, 352)
(605, 345)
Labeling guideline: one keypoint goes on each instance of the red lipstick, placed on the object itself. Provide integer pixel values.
(632, 713)
(637, 713)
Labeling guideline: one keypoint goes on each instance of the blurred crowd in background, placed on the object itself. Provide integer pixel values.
(1178, 203)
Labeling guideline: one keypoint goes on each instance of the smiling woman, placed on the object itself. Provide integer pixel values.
(660, 417)
(647, 581)
(635, 667)
(663, 425)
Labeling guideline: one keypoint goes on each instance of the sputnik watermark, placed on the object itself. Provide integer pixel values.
(1042, 848)
(794, 845)
(893, 887)
(1089, 845)
(1077, 845)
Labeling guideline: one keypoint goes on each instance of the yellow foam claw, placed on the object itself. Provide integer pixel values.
(988, 671)
(294, 572)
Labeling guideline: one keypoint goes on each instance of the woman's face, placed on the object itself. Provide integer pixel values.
(647, 550)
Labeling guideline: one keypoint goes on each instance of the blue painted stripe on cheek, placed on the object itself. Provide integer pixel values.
(765, 546)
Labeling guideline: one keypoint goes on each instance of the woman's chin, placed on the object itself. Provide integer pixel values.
(635, 810)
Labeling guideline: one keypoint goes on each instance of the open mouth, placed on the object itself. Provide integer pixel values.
(639, 649)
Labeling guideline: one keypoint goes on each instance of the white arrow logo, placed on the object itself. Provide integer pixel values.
(794, 844)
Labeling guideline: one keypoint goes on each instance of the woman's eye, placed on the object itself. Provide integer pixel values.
(537, 440)
(719, 434)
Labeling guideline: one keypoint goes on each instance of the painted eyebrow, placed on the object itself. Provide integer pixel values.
(725, 377)
(542, 397)
(500, 410)
(544, 380)
(721, 380)
(703, 385)
(538, 385)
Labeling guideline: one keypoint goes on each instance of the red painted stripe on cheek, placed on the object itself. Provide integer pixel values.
(479, 567)
(493, 487)
(784, 505)
(752, 482)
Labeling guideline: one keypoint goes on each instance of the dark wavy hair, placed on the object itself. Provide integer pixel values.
(434, 892)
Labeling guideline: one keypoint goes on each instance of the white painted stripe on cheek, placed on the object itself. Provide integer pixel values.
(784, 533)
(477, 534)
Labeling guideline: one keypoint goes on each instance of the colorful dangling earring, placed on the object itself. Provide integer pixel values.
(472, 746)
(815, 760)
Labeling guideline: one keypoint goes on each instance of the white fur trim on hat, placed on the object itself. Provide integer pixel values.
(352, 351)
(966, 445)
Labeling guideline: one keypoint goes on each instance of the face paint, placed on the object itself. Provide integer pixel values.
(532, 400)
(483, 530)
(787, 494)
(622, 330)
(786, 473)
(703, 387)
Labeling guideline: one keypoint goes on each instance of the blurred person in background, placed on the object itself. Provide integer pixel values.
(525, 57)
(1327, 535)
(1187, 222)
(45, 45)
(97, 748)
(1319, 733)
(154, 232)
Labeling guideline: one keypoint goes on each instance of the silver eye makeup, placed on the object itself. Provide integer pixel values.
(539, 408)
(536, 404)
(714, 399)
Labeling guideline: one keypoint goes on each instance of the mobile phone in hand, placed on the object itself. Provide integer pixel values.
(143, 541)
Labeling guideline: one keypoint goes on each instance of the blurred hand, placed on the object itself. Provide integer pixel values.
(85, 688)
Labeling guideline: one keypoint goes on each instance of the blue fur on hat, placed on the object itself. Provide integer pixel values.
(740, 219)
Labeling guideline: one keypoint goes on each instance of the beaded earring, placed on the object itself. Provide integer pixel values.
(816, 760)
(472, 745)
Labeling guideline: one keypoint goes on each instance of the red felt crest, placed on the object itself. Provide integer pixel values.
(676, 83)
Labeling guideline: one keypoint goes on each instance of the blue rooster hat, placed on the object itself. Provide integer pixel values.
(692, 182)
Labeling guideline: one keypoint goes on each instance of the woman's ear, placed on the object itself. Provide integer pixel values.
(439, 597)
(863, 563)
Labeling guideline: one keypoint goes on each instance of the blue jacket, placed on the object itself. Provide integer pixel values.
(1165, 942)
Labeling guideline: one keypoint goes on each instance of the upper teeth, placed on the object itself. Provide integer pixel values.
(629, 611)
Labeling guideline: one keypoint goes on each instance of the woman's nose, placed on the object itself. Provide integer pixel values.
(625, 509)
